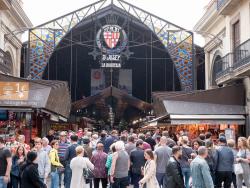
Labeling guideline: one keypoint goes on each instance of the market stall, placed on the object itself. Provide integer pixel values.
(218, 110)
(25, 105)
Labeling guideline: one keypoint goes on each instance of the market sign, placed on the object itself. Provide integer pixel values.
(112, 41)
(14, 90)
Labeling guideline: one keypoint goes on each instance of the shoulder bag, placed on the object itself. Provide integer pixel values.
(88, 173)
(238, 169)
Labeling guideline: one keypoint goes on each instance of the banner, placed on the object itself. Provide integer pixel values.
(97, 81)
(125, 80)
(14, 90)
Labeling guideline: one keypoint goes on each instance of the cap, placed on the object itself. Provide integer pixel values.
(86, 140)
(223, 139)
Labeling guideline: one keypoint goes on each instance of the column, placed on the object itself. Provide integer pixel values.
(207, 70)
(247, 90)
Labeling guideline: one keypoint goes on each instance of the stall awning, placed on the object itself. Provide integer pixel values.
(197, 108)
(19, 93)
(180, 119)
(207, 119)
(217, 106)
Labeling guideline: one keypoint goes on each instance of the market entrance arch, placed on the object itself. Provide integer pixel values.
(157, 57)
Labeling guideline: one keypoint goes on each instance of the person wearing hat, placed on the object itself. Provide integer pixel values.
(224, 169)
(30, 176)
(86, 145)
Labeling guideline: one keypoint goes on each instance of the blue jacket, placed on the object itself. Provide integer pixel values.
(108, 142)
(70, 153)
(201, 177)
(15, 167)
(225, 159)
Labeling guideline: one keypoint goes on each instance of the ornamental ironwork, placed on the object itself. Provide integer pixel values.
(177, 41)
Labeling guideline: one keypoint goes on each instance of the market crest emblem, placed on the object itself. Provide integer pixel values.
(112, 42)
(111, 35)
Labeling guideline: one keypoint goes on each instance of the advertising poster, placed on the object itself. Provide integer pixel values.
(97, 81)
(125, 80)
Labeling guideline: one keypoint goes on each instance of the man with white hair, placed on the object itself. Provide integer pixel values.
(162, 156)
(46, 146)
(94, 141)
(120, 166)
(200, 172)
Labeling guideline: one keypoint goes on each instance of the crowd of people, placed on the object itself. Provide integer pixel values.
(151, 160)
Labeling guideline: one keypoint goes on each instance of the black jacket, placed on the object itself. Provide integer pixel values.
(174, 178)
(151, 142)
(30, 177)
(137, 160)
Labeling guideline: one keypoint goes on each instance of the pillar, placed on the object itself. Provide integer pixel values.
(247, 94)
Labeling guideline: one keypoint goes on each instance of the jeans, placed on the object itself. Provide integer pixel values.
(14, 181)
(160, 177)
(2, 183)
(67, 176)
(186, 172)
(97, 182)
(120, 182)
(54, 179)
(135, 178)
(234, 180)
(225, 177)
(60, 179)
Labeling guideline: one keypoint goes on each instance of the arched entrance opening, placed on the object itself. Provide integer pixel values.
(71, 60)
(157, 57)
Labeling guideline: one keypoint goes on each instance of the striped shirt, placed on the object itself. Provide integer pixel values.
(62, 149)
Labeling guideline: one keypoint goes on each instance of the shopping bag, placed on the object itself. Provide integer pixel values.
(238, 169)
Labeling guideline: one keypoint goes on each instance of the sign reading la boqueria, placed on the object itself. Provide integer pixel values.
(112, 41)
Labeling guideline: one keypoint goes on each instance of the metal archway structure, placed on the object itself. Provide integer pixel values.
(178, 42)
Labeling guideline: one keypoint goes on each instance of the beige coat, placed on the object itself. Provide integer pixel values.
(150, 175)
(77, 164)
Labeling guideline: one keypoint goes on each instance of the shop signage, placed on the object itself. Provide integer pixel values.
(229, 133)
(61, 127)
(112, 41)
(111, 65)
(14, 90)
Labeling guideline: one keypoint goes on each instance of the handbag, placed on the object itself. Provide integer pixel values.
(55, 168)
(88, 174)
(238, 169)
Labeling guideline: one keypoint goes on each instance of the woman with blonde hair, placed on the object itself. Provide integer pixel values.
(55, 164)
(77, 165)
(231, 144)
(149, 171)
(243, 157)
(248, 142)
